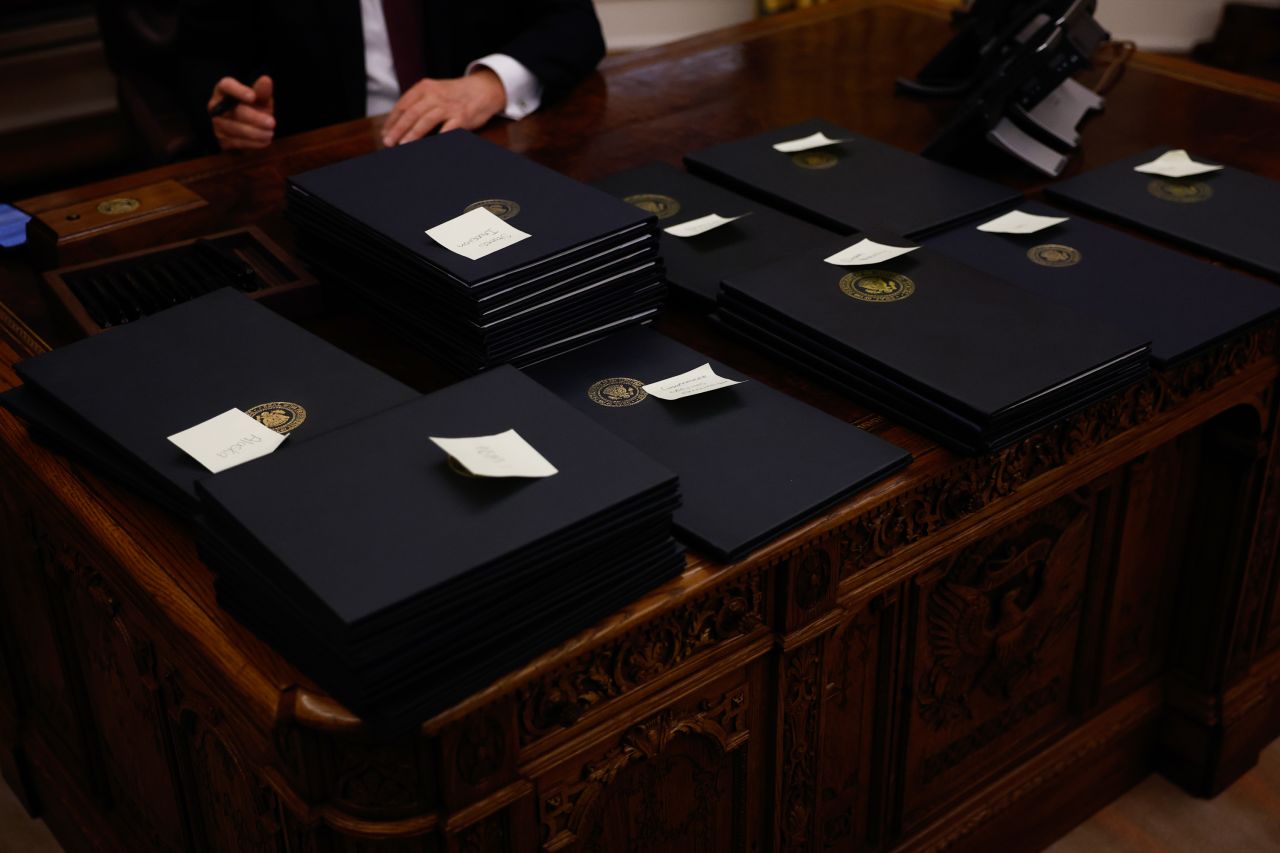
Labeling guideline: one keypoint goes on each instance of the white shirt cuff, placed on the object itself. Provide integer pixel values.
(524, 92)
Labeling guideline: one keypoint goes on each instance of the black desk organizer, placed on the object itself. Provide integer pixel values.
(125, 288)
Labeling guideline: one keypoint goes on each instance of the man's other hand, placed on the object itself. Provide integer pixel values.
(252, 123)
(465, 102)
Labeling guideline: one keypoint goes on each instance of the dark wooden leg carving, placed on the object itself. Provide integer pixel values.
(1216, 720)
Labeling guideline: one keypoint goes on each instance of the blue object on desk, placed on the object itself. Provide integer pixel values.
(13, 226)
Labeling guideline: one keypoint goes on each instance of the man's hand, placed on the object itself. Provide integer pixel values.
(252, 123)
(465, 102)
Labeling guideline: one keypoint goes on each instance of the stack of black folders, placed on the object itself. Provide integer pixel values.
(1228, 213)
(959, 354)
(1180, 303)
(695, 265)
(402, 584)
(111, 401)
(589, 265)
(752, 462)
(850, 184)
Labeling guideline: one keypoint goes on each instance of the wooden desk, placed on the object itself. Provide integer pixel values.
(975, 652)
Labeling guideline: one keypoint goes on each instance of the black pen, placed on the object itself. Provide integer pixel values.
(224, 106)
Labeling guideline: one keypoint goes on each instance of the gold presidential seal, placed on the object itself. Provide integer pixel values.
(877, 286)
(617, 392)
(1054, 255)
(1185, 192)
(661, 206)
(281, 417)
(117, 206)
(814, 159)
(500, 207)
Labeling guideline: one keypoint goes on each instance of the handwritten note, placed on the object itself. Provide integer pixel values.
(506, 454)
(700, 380)
(867, 252)
(475, 234)
(227, 440)
(815, 140)
(1175, 164)
(701, 225)
(1017, 222)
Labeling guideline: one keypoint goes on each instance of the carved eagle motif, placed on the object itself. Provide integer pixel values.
(987, 636)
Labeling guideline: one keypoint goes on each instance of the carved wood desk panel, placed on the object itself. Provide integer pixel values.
(976, 651)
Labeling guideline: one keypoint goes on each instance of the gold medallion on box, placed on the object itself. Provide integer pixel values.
(1054, 255)
(661, 206)
(118, 206)
(1185, 192)
(281, 417)
(877, 286)
(617, 392)
(814, 159)
(499, 207)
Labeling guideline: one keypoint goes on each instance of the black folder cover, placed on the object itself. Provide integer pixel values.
(138, 384)
(696, 265)
(1230, 213)
(962, 337)
(398, 193)
(377, 516)
(752, 461)
(855, 185)
(1181, 304)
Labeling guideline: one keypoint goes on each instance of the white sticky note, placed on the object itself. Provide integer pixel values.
(503, 455)
(1175, 164)
(230, 439)
(816, 140)
(701, 225)
(700, 380)
(1017, 222)
(867, 252)
(476, 233)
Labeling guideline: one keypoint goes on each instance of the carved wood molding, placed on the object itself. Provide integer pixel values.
(565, 807)
(1260, 568)
(638, 657)
(801, 693)
(977, 482)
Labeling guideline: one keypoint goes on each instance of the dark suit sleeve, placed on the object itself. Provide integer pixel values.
(213, 42)
(561, 44)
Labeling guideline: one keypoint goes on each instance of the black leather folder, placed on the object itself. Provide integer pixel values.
(401, 584)
(1230, 214)
(396, 194)
(975, 359)
(1178, 302)
(752, 461)
(131, 388)
(378, 496)
(696, 265)
(853, 186)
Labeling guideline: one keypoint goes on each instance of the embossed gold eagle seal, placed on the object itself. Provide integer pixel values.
(500, 207)
(661, 206)
(118, 206)
(617, 392)
(281, 417)
(877, 286)
(1054, 255)
(814, 159)
(1185, 192)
